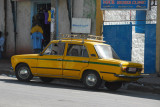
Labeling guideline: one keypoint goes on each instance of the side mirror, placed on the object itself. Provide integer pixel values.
(93, 55)
(40, 54)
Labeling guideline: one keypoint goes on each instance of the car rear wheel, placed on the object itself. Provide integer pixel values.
(45, 79)
(113, 86)
(23, 73)
(91, 80)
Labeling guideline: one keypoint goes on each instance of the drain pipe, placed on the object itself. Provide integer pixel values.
(5, 26)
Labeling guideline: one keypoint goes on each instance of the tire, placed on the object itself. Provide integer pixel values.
(92, 80)
(113, 86)
(46, 80)
(23, 73)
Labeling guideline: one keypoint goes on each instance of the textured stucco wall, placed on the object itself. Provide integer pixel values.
(89, 11)
(63, 18)
(85, 9)
(137, 46)
(77, 8)
(80, 9)
(10, 46)
(24, 43)
(2, 15)
(9, 27)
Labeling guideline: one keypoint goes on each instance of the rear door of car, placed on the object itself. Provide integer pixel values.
(75, 60)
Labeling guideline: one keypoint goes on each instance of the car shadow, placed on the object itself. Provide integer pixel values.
(77, 85)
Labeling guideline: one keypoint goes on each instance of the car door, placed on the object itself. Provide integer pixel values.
(50, 62)
(75, 60)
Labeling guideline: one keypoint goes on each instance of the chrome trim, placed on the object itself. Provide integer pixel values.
(53, 75)
(124, 76)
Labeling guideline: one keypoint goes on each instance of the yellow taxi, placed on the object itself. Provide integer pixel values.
(87, 60)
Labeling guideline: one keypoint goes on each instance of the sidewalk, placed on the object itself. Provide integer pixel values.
(149, 83)
(5, 67)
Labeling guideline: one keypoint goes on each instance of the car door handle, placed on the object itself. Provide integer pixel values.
(85, 61)
(59, 59)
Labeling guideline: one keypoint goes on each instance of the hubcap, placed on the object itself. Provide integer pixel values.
(24, 73)
(91, 79)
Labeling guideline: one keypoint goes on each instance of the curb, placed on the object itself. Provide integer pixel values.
(142, 88)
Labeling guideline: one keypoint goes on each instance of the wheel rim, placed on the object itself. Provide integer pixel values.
(91, 80)
(24, 73)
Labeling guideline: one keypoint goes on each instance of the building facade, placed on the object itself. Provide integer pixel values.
(17, 19)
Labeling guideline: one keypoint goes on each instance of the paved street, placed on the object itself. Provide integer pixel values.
(37, 94)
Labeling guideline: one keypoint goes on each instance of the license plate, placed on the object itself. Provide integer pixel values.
(132, 69)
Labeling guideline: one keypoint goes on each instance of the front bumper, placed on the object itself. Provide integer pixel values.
(124, 76)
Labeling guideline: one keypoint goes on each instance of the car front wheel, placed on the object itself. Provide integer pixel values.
(91, 80)
(23, 72)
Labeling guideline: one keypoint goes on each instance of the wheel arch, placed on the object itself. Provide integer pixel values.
(21, 63)
(88, 70)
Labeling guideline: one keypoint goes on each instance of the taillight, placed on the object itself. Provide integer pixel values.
(124, 68)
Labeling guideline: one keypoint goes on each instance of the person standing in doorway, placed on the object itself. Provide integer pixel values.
(37, 41)
(1, 44)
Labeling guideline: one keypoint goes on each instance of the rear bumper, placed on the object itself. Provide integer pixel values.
(131, 77)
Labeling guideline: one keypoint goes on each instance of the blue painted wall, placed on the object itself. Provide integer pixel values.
(141, 21)
(150, 49)
(120, 38)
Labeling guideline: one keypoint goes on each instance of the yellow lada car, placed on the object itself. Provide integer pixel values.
(89, 61)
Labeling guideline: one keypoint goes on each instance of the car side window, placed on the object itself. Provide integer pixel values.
(55, 49)
(77, 50)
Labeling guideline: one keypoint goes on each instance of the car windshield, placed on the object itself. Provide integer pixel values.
(106, 52)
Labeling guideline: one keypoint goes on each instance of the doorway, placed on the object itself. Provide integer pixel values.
(41, 17)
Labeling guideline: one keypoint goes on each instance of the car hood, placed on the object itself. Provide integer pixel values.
(26, 56)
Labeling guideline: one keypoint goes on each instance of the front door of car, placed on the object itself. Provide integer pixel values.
(75, 60)
(50, 62)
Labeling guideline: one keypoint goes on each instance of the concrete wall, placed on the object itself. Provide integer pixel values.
(63, 17)
(10, 46)
(89, 11)
(10, 30)
(24, 43)
(80, 9)
(77, 8)
(85, 9)
(2, 15)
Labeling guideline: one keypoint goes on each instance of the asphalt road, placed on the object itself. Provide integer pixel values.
(14, 93)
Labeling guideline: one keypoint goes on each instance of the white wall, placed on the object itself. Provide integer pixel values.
(78, 8)
(10, 46)
(2, 15)
(9, 27)
(63, 18)
(24, 43)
